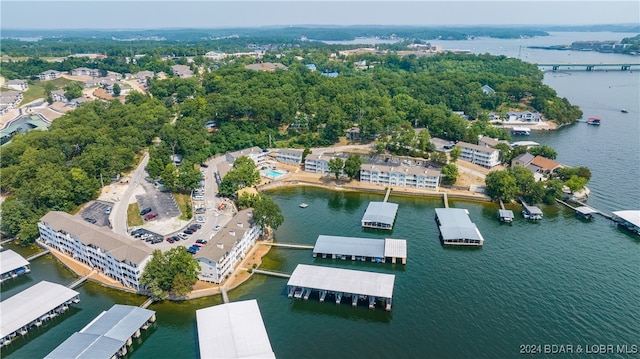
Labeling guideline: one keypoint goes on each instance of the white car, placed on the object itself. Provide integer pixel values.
(182, 235)
(217, 227)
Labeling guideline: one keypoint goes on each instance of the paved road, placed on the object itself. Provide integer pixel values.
(118, 215)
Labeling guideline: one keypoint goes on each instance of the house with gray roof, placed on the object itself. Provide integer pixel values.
(83, 71)
(49, 75)
(289, 156)
(480, 155)
(98, 247)
(182, 71)
(18, 85)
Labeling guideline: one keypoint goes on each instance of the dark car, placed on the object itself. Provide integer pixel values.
(204, 165)
(170, 240)
(150, 216)
(201, 241)
(197, 225)
(187, 231)
(145, 211)
(193, 228)
(90, 220)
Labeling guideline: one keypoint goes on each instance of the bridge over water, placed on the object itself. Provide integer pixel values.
(590, 66)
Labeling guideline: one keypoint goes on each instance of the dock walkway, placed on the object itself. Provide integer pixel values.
(77, 283)
(289, 245)
(225, 295)
(272, 273)
(445, 198)
(38, 255)
(386, 196)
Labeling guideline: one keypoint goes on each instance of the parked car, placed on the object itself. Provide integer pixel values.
(193, 228)
(217, 227)
(90, 220)
(170, 240)
(183, 236)
(202, 241)
(145, 211)
(187, 231)
(107, 211)
(197, 225)
(150, 216)
(204, 165)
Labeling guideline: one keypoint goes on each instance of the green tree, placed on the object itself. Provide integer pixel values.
(189, 177)
(352, 165)
(266, 213)
(544, 151)
(450, 173)
(501, 185)
(247, 200)
(116, 90)
(48, 88)
(506, 155)
(575, 183)
(553, 190)
(170, 177)
(173, 272)
(305, 153)
(455, 153)
(439, 158)
(73, 90)
(335, 166)
(243, 174)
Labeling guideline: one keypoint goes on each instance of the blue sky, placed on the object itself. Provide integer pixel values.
(115, 14)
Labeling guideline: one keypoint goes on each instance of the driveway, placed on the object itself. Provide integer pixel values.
(119, 211)
(97, 211)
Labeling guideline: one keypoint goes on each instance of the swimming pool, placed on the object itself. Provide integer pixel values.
(273, 174)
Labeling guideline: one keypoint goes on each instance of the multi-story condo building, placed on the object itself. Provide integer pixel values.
(255, 153)
(484, 156)
(290, 156)
(119, 258)
(401, 175)
(49, 75)
(218, 260)
(320, 163)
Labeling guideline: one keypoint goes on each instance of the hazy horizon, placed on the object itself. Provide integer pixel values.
(161, 15)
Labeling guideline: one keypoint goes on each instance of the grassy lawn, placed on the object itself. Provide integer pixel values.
(133, 215)
(36, 89)
(183, 201)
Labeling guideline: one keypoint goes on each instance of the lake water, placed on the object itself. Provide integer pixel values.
(561, 281)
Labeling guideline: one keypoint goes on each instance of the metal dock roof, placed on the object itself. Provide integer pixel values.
(381, 212)
(233, 330)
(532, 209)
(505, 213)
(10, 260)
(633, 217)
(105, 335)
(343, 280)
(586, 210)
(365, 247)
(32, 303)
(455, 224)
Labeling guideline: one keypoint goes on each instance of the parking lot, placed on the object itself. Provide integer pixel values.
(97, 213)
(146, 235)
(161, 203)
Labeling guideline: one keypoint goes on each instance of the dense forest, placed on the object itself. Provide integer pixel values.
(400, 102)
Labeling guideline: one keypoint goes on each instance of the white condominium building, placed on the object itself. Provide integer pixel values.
(401, 175)
(117, 257)
(484, 156)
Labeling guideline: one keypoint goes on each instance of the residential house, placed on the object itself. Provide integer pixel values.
(144, 77)
(490, 142)
(19, 85)
(182, 71)
(320, 163)
(311, 67)
(77, 102)
(525, 116)
(83, 71)
(352, 133)
(544, 165)
(290, 156)
(49, 75)
(218, 260)
(487, 90)
(94, 82)
(480, 155)
(98, 247)
(11, 99)
(255, 153)
(266, 66)
(58, 96)
(400, 175)
(330, 74)
(176, 159)
(522, 160)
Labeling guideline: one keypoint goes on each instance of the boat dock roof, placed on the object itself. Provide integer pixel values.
(454, 223)
(532, 209)
(365, 247)
(30, 304)
(233, 330)
(585, 210)
(105, 335)
(10, 260)
(629, 218)
(380, 212)
(343, 280)
(506, 213)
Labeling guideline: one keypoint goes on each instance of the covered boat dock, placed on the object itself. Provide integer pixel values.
(380, 215)
(107, 336)
(456, 228)
(506, 215)
(358, 285)
(32, 307)
(363, 249)
(585, 212)
(233, 330)
(628, 219)
(531, 212)
(12, 265)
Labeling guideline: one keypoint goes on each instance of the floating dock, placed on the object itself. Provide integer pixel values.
(505, 215)
(628, 219)
(12, 265)
(456, 228)
(32, 307)
(341, 282)
(233, 330)
(585, 212)
(107, 336)
(380, 215)
(531, 212)
(362, 249)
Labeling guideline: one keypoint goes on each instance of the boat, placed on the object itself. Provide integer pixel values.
(594, 121)
(303, 205)
(298, 293)
(372, 302)
(323, 295)
(624, 110)
(521, 131)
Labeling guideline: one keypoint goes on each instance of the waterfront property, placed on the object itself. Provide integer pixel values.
(31, 307)
(521, 131)
(363, 249)
(380, 215)
(484, 156)
(319, 163)
(107, 336)
(341, 282)
(233, 330)
(400, 175)
(585, 212)
(12, 265)
(255, 153)
(289, 156)
(456, 228)
(112, 254)
(219, 257)
(505, 215)
(531, 212)
(628, 219)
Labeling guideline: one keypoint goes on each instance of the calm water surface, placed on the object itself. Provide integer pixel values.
(559, 281)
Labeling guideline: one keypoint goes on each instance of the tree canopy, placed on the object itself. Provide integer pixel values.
(243, 174)
(266, 213)
(173, 272)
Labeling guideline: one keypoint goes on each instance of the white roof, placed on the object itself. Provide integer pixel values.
(343, 280)
(586, 210)
(395, 248)
(30, 304)
(455, 224)
(10, 260)
(632, 217)
(105, 335)
(233, 330)
(352, 246)
(382, 212)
